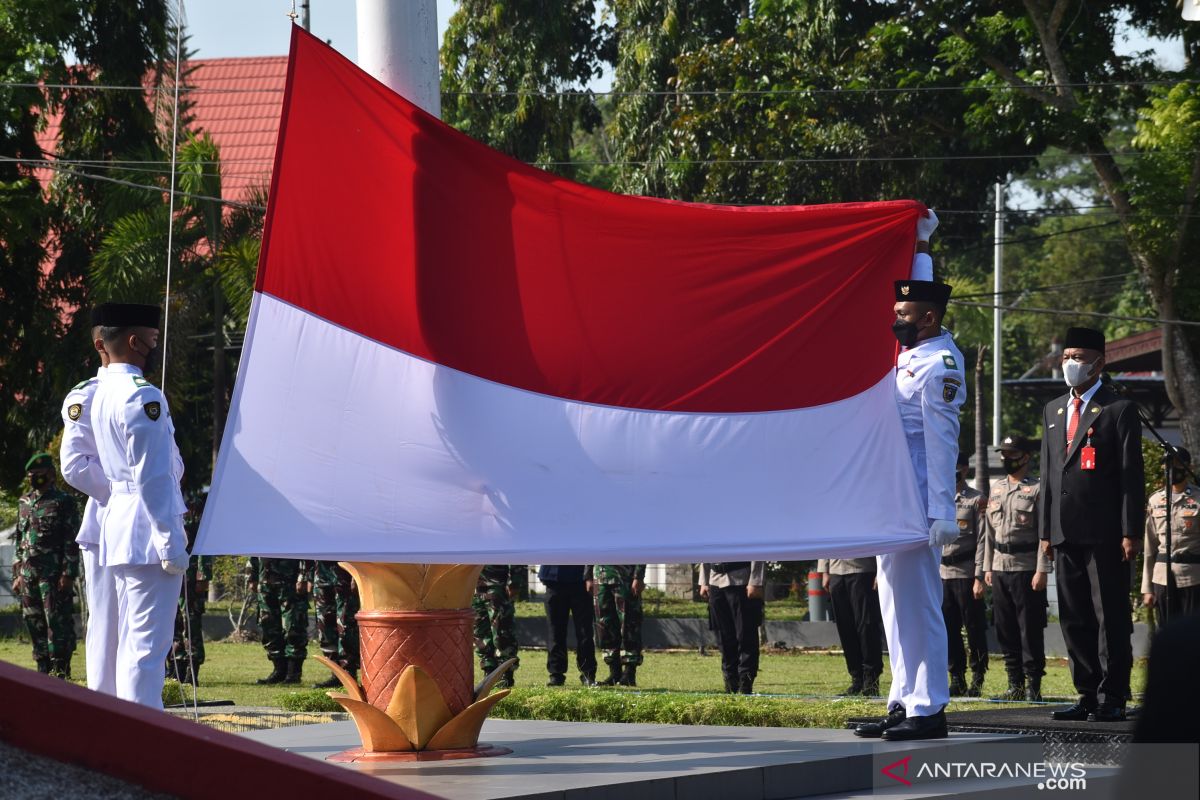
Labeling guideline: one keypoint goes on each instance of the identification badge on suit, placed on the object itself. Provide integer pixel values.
(1087, 454)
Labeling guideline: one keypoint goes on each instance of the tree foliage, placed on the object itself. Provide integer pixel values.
(502, 62)
(46, 239)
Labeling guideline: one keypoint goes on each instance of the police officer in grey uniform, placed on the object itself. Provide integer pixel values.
(735, 594)
(962, 589)
(1016, 569)
(1185, 544)
(855, 599)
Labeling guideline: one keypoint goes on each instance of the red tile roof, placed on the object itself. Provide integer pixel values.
(237, 101)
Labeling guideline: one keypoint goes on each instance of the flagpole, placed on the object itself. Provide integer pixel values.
(416, 622)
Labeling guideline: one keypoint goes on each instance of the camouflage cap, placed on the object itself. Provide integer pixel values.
(39, 461)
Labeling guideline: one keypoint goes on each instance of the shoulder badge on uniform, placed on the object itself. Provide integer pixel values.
(139, 381)
(74, 411)
(80, 385)
(949, 361)
(153, 410)
(951, 379)
(949, 392)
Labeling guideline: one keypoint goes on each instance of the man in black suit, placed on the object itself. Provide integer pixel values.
(1093, 507)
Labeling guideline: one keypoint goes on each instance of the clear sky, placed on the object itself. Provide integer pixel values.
(224, 28)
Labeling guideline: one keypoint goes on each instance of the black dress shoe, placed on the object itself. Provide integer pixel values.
(932, 726)
(1107, 713)
(1075, 713)
(873, 730)
(557, 680)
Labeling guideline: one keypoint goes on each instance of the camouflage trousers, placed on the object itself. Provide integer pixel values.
(49, 615)
(337, 629)
(283, 619)
(193, 606)
(619, 623)
(495, 628)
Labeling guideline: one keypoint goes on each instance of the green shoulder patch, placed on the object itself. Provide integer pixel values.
(153, 410)
(79, 385)
(949, 361)
(139, 381)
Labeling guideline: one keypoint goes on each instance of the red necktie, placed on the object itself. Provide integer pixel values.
(1073, 425)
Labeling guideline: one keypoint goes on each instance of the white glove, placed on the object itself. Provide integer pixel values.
(942, 532)
(177, 565)
(926, 225)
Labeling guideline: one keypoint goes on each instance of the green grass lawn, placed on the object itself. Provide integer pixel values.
(659, 605)
(231, 670)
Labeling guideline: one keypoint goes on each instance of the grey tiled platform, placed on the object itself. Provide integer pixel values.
(587, 761)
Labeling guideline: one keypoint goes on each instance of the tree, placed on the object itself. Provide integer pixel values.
(214, 250)
(503, 62)
(650, 37)
(1062, 55)
(45, 243)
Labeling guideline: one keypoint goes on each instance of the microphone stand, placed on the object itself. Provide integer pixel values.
(1169, 456)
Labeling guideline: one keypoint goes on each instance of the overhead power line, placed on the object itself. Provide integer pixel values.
(1052, 287)
(134, 185)
(1075, 313)
(809, 90)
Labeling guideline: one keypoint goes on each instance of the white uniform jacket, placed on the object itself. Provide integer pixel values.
(80, 460)
(930, 391)
(135, 438)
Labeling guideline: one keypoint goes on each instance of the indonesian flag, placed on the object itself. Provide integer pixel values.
(455, 357)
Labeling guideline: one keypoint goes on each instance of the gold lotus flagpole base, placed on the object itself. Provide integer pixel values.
(416, 702)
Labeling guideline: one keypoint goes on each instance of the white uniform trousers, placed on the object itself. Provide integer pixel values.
(910, 596)
(146, 605)
(100, 589)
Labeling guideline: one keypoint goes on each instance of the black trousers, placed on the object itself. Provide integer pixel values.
(1020, 616)
(859, 621)
(1075, 565)
(1187, 601)
(960, 609)
(738, 618)
(563, 599)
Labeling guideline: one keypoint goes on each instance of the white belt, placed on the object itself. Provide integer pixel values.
(123, 487)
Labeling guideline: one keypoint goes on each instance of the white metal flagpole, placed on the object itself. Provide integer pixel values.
(397, 43)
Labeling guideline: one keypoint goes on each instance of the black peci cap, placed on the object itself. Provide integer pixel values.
(1015, 441)
(126, 315)
(1087, 338)
(923, 292)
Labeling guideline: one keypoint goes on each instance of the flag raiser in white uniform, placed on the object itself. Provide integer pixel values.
(142, 526)
(81, 469)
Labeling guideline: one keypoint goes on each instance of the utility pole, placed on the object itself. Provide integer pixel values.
(997, 316)
(397, 43)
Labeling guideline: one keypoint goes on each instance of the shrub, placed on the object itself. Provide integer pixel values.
(308, 700)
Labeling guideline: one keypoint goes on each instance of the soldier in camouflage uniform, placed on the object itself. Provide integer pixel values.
(336, 599)
(45, 566)
(281, 585)
(619, 619)
(193, 593)
(495, 617)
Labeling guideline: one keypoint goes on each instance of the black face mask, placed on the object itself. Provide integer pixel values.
(906, 332)
(1011, 465)
(40, 481)
(153, 357)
